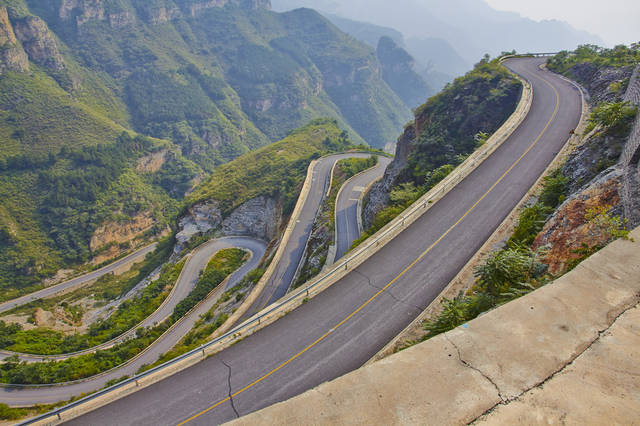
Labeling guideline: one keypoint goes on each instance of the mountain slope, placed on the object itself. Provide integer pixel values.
(111, 111)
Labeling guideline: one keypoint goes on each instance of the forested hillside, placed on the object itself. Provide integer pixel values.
(112, 110)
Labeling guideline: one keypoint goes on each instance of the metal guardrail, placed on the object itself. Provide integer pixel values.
(358, 256)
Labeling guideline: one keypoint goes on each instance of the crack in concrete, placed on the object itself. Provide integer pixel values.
(559, 370)
(468, 365)
(387, 291)
(230, 394)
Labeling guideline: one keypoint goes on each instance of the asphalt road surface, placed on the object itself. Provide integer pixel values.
(340, 329)
(137, 256)
(285, 271)
(191, 272)
(347, 228)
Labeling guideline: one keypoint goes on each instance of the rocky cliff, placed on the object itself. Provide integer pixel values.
(39, 42)
(444, 129)
(123, 14)
(12, 55)
(597, 172)
(259, 218)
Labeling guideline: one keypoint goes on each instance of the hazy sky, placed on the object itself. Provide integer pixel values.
(616, 21)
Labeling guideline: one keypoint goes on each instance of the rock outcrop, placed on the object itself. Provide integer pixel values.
(12, 55)
(121, 232)
(39, 42)
(96, 10)
(604, 84)
(153, 162)
(259, 217)
(569, 231)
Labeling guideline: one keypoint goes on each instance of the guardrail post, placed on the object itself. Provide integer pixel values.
(137, 384)
(59, 416)
(203, 353)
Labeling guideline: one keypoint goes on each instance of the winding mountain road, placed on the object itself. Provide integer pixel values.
(286, 269)
(341, 328)
(195, 263)
(347, 212)
(28, 395)
(137, 256)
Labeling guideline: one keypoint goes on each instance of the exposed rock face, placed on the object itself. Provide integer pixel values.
(598, 81)
(378, 196)
(195, 9)
(598, 153)
(122, 19)
(12, 56)
(38, 42)
(568, 230)
(121, 232)
(152, 162)
(259, 218)
(163, 15)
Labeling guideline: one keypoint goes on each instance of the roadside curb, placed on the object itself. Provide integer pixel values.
(465, 275)
(331, 256)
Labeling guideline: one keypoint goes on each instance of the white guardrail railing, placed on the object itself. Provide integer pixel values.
(297, 298)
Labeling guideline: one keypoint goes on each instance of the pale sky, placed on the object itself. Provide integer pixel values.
(615, 21)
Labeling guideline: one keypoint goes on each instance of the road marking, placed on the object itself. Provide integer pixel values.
(358, 188)
(407, 269)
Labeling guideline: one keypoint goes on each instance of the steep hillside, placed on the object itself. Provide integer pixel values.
(253, 193)
(399, 71)
(111, 111)
(601, 185)
(220, 78)
(446, 129)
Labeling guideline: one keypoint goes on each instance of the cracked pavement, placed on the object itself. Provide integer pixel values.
(566, 353)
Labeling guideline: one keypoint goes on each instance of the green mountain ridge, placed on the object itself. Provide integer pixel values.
(112, 110)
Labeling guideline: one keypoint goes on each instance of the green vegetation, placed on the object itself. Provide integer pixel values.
(457, 121)
(216, 85)
(532, 218)
(616, 118)
(618, 56)
(507, 274)
(130, 313)
(13, 371)
(8, 413)
(53, 207)
(277, 170)
(219, 267)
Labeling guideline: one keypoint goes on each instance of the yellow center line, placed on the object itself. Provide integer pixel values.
(407, 269)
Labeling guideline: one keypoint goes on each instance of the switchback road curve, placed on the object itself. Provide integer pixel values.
(285, 271)
(347, 223)
(196, 262)
(340, 329)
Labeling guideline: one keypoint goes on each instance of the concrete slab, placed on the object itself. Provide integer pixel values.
(567, 353)
(602, 386)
